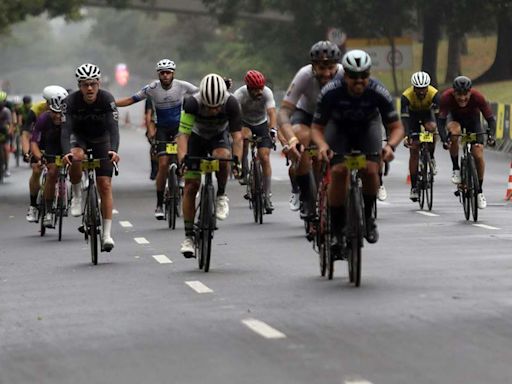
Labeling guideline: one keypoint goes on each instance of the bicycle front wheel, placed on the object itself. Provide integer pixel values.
(465, 176)
(60, 208)
(209, 226)
(475, 186)
(93, 223)
(257, 193)
(429, 186)
(355, 234)
(172, 190)
(422, 181)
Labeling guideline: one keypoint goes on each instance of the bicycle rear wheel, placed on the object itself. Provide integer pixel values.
(209, 226)
(429, 191)
(257, 192)
(93, 223)
(422, 183)
(323, 218)
(172, 190)
(329, 256)
(42, 213)
(475, 186)
(60, 209)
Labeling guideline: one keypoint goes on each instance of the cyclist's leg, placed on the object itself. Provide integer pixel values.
(431, 126)
(75, 174)
(414, 156)
(264, 147)
(163, 134)
(477, 150)
(246, 134)
(219, 147)
(454, 129)
(49, 187)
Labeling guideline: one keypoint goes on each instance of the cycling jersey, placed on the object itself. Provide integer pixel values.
(411, 102)
(167, 102)
(196, 118)
(347, 111)
(23, 111)
(47, 135)
(94, 122)
(304, 89)
(33, 114)
(466, 116)
(254, 111)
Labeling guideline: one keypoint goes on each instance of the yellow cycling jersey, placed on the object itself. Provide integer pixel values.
(39, 108)
(425, 104)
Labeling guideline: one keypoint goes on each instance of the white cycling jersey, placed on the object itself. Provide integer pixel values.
(166, 102)
(254, 111)
(304, 89)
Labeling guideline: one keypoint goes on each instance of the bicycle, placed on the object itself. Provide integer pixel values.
(206, 222)
(173, 191)
(255, 193)
(425, 183)
(355, 223)
(467, 189)
(91, 217)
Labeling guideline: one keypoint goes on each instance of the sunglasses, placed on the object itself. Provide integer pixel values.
(92, 84)
(358, 75)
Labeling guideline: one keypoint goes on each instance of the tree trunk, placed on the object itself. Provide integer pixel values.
(431, 35)
(453, 68)
(391, 40)
(501, 69)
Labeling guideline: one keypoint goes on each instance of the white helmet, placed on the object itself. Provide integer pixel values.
(88, 71)
(356, 60)
(165, 65)
(420, 79)
(56, 101)
(53, 90)
(213, 90)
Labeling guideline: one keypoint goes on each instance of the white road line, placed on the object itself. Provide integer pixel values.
(198, 287)
(162, 259)
(141, 240)
(424, 213)
(383, 202)
(485, 226)
(263, 329)
(357, 382)
(125, 224)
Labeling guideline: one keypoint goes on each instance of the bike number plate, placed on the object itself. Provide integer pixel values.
(355, 162)
(91, 164)
(171, 148)
(209, 166)
(426, 137)
(469, 138)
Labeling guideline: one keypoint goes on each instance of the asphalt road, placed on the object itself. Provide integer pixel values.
(435, 304)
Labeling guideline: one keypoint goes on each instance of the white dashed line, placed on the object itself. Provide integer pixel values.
(485, 226)
(424, 213)
(263, 329)
(125, 224)
(357, 382)
(162, 259)
(198, 287)
(383, 202)
(141, 240)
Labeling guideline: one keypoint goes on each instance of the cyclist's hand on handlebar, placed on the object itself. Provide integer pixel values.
(114, 157)
(324, 153)
(491, 141)
(407, 141)
(387, 153)
(26, 157)
(446, 144)
(67, 159)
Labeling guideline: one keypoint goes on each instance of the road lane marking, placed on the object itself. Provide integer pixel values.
(125, 224)
(485, 226)
(162, 259)
(141, 240)
(383, 202)
(357, 382)
(263, 329)
(427, 213)
(198, 287)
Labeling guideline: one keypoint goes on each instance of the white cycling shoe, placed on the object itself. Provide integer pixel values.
(76, 206)
(108, 243)
(295, 202)
(188, 248)
(382, 194)
(222, 207)
(480, 200)
(456, 176)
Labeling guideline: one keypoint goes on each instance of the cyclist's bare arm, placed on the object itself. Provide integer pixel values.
(283, 120)
(317, 136)
(396, 134)
(272, 118)
(182, 141)
(125, 102)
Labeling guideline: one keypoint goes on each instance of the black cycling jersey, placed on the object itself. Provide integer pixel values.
(346, 111)
(90, 122)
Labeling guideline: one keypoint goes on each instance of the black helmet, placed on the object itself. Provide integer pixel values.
(325, 51)
(462, 84)
(27, 99)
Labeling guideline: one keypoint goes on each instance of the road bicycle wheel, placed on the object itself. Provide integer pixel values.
(172, 190)
(475, 186)
(465, 187)
(41, 213)
(17, 152)
(429, 190)
(2, 163)
(94, 223)
(329, 256)
(208, 226)
(323, 217)
(421, 183)
(257, 193)
(355, 228)
(61, 198)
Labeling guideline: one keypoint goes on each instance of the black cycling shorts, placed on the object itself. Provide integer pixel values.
(366, 138)
(261, 130)
(199, 146)
(472, 125)
(299, 116)
(416, 119)
(100, 148)
(164, 135)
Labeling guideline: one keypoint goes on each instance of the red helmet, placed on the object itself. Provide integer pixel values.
(254, 79)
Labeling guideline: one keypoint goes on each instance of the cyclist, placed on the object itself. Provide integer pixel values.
(149, 121)
(419, 106)
(167, 94)
(46, 136)
(90, 120)
(259, 118)
(6, 129)
(355, 106)
(294, 202)
(462, 105)
(27, 127)
(207, 119)
(298, 106)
